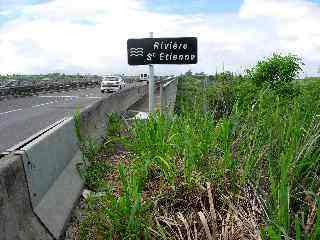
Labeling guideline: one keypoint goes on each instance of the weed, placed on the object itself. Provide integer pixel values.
(259, 140)
(76, 118)
(113, 124)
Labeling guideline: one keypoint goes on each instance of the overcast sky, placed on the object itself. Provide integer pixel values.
(89, 36)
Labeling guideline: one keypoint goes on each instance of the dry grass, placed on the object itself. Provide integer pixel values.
(229, 218)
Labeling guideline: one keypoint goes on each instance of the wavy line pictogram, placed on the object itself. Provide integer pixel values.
(136, 49)
(136, 52)
(136, 55)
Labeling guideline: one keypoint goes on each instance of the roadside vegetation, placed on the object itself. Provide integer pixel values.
(239, 159)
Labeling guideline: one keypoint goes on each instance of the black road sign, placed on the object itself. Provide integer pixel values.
(146, 51)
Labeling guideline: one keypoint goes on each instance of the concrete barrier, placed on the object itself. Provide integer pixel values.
(54, 184)
(17, 220)
(93, 118)
(39, 182)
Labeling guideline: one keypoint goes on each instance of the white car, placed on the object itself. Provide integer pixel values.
(112, 84)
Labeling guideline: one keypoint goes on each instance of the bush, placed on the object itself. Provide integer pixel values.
(189, 94)
(221, 95)
(277, 72)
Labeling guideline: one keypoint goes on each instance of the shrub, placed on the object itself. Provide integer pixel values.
(221, 95)
(277, 72)
(189, 94)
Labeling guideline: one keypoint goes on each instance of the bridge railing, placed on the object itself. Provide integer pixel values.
(168, 92)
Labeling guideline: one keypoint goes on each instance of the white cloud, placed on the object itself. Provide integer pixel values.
(90, 36)
(295, 25)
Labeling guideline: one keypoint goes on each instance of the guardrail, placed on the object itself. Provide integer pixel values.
(39, 182)
(168, 92)
(48, 87)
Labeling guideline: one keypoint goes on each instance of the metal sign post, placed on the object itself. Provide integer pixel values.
(151, 84)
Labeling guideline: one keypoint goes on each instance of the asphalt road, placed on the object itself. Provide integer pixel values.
(22, 117)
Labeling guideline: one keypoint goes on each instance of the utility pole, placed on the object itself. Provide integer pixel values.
(151, 84)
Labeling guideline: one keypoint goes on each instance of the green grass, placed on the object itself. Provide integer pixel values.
(252, 135)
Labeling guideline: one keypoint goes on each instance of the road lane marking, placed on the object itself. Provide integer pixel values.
(58, 96)
(43, 104)
(11, 111)
(86, 96)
